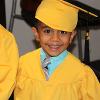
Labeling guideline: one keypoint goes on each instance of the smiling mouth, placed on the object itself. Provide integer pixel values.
(54, 47)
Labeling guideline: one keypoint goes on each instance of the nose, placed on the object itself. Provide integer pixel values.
(55, 36)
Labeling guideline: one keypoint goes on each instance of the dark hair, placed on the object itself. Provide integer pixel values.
(28, 10)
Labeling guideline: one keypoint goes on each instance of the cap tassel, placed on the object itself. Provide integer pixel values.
(86, 49)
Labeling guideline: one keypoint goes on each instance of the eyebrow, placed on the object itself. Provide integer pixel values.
(45, 26)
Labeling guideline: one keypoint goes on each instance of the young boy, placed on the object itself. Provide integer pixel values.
(8, 63)
(63, 76)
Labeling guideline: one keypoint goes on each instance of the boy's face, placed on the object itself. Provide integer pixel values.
(53, 41)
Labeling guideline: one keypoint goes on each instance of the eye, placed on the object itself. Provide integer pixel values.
(47, 30)
(63, 32)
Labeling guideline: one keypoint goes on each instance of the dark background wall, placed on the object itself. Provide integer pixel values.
(2, 13)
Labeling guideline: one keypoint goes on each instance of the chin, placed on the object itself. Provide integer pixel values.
(53, 54)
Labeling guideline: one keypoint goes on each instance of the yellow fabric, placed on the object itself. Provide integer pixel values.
(58, 15)
(8, 63)
(72, 80)
(82, 9)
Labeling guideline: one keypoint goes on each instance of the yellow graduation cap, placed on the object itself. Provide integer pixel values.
(59, 14)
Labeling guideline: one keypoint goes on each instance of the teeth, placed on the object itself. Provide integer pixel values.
(54, 47)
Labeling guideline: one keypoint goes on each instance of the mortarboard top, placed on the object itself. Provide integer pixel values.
(57, 14)
(63, 14)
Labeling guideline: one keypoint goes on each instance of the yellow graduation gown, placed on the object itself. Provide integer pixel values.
(8, 63)
(71, 80)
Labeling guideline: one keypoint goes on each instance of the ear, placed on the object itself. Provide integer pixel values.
(73, 34)
(36, 34)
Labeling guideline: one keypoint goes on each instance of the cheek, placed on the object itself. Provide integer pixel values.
(66, 41)
(44, 39)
